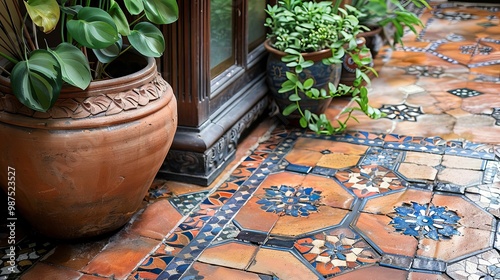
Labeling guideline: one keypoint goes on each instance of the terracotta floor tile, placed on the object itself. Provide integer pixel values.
(425, 102)
(303, 157)
(469, 241)
(46, 271)
(427, 276)
(426, 125)
(417, 172)
(75, 256)
(251, 212)
(294, 226)
(470, 214)
(332, 194)
(462, 177)
(338, 161)
(121, 256)
(284, 265)
(463, 162)
(211, 272)
(333, 147)
(377, 228)
(233, 254)
(385, 204)
(375, 273)
(423, 158)
(157, 220)
(91, 277)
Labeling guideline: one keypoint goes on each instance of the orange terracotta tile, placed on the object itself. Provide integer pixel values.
(46, 271)
(334, 147)
(75, 256)
(481, 104)
(463, 177)
(252, 212)
(303, 157)
(385, 204)
(233, 254)
(332, 194)
(284, 265)
(470, 214)
(156, 221)
(447, 101)
(294, 226)
(211, 272)
(375, 273)
(463, 162)
(121, 256)
(427, 276)
(426, 102)
(418, 172)
(338, 161)
(423, 158)
(426, 125)
(378, 229)
(469, 241)
(477, 134)
(92, 277)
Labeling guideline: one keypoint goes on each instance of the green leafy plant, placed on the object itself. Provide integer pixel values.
(297, 27)
(394, 13)
(44, 60)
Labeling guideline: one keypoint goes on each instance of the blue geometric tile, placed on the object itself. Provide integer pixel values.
(380, 156)
(298, 168)
(432, 222)
(186, 203)
(291, 201)
(401, 112)
(464, 92)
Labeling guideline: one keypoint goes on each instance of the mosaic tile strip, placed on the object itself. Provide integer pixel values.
(291, 201)
(401, 112)
(434, 222)
(486, 196)
(27, 252)
(186, 203)
(483, 266)
(435, 145)
(426, 70)
(368, 180)
(470, 149)
(336, 251)
(354, 137)
(383, 157)
(491, 172)
(496, 115)
(229, 231)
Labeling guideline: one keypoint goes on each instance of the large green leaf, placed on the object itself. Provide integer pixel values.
(119, 18)
(44, 13)
(37, 82)
(75, 68)
(94, 28)
(134, 7)
(161, 11)
(108, 54)
(147, 39)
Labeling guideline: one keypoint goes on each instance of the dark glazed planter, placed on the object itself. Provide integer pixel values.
(321, 73)
(82, 168)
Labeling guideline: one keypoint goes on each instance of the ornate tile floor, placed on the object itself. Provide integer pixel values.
(415, 195)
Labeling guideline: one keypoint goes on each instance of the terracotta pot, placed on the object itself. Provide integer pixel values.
(349, 67)
(321, 73)
(83, 168)
(373, 40)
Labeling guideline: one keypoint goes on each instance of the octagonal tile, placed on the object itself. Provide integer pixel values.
(375, 273)
(385, 204)
(336, 251)
(368, 180)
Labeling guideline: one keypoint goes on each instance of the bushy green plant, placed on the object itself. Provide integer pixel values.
(390, 12)
(299, 26)
(43, 61)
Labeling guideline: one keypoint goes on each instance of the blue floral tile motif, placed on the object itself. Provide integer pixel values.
(401, 112)
(434, 222)
(286, 200)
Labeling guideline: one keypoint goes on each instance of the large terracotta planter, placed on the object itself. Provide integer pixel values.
(83, 168)
(321, 73)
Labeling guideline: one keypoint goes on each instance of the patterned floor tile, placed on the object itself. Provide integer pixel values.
(482, 266)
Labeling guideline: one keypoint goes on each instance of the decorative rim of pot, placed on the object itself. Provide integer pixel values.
(103, 103)
(314, 56)
(373, 30)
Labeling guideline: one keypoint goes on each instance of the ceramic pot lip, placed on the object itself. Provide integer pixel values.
(373, 31)
(314, 56)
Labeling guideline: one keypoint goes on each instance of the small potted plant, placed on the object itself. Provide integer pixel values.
(393, 16)
(85, 118)
(307, 42)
